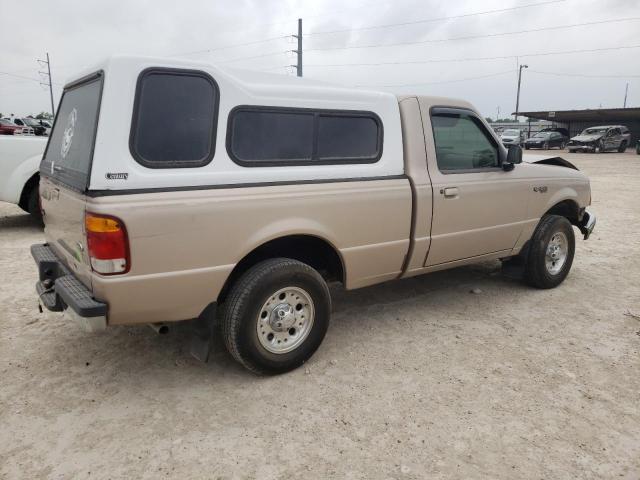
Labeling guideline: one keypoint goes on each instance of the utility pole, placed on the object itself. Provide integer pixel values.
(626, 90)
(49, 82)
(298, 65)
(518, 97)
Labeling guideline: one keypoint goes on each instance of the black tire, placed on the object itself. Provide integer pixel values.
(623, 147)
(246, 299)
(638, 149)
(563, 145)
(536, 273)
(527, 147)
(33, 203)
(545, 146)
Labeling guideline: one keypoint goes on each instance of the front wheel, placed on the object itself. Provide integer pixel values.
(546, 146)
(551, 252)
(623, 147)
(276, 316)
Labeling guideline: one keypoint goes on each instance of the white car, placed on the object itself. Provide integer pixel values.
(512, 136)
(19, 171)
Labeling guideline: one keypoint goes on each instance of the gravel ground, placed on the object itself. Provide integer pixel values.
(416, 379)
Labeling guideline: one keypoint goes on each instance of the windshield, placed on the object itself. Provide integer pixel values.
(31, 122)
(6, 122)
(511, 133)
(594, 131)
(542, 135)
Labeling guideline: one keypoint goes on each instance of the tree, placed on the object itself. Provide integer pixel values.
(489, 119)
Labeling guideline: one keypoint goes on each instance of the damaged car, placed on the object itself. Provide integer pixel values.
(601, 139)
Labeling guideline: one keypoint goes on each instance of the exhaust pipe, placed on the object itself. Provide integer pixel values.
(160, 328)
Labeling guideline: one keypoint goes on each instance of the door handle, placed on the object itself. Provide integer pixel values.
(450, 192)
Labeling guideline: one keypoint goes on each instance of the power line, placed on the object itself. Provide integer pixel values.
(441, 81)
(470, 37)
(452, 60)
(438, 19)
(20, 76)
(226, 47)
(558, 74)
(272, 54)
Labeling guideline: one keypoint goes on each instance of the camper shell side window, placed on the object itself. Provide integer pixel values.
(259, 136)
(175, 117)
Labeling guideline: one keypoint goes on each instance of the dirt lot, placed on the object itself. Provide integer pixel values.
(415, 379)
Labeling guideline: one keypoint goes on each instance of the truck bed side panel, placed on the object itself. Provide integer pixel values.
(184, 244)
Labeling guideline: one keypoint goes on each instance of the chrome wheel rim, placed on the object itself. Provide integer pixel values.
(285, 320)
(557, 251)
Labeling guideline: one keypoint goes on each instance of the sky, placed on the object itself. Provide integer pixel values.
(464, 49)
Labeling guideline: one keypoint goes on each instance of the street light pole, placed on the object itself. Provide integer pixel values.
(518, 97)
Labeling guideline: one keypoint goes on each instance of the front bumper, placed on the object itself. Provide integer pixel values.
(587, 148)
(587, 224)
(59, 290)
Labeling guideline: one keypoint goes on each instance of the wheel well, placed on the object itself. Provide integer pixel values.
(568, 209)
(24, 196)
(308, 249)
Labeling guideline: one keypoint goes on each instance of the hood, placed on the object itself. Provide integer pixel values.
(587, 138)
(546, 160)
(510, 137)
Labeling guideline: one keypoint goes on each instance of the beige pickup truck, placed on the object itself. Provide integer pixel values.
(177, 191)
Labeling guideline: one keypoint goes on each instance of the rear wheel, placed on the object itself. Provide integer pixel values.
(276, 316)
(551, 252)
(623, 147)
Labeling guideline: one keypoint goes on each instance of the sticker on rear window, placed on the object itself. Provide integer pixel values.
(67, 136)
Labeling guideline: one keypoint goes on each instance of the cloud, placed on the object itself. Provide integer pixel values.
(79, 33)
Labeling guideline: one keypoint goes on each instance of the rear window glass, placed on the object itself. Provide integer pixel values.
(70, 148)
(260, 136)
(174, 119)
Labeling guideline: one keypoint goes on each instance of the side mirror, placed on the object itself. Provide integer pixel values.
(514, 157)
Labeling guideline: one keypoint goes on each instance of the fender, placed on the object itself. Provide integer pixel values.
(16, 180)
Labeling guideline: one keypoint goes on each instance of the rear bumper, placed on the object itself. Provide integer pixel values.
(59, 290)
(587, 224)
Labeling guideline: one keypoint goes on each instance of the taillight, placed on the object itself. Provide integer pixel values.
(107, 244)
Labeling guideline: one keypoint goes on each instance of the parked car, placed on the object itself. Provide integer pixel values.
(19, 178)
(46, 124)
(638, 147)
(512, 136)
(20, 130)
(32, 123)
(600, 139)
(9, 128)
(201, 191)
(546, 140)
(563, 131)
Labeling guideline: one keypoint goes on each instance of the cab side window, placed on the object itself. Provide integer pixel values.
(462, 142)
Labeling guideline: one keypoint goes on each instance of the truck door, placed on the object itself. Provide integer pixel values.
(478, 208)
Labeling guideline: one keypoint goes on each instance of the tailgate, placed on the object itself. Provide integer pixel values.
(64, 227)
(65, 170)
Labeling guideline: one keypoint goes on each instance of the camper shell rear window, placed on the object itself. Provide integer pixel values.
(69, 152)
